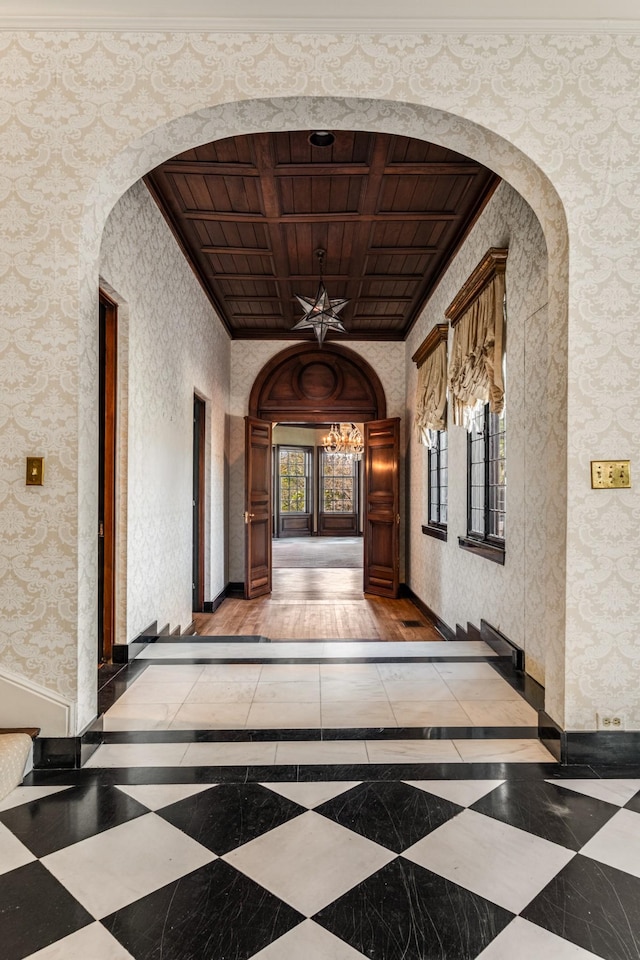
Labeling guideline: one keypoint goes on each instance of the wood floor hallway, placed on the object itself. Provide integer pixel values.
(320, 602)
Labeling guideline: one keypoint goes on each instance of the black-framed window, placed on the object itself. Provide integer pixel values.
(486, 484)
(294, 479)
(338, 483)
(438, 485)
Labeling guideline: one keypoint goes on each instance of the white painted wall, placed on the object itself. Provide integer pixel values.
(517, 598)
(175, 346)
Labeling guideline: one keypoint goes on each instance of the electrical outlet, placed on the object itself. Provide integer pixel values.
(609, 722)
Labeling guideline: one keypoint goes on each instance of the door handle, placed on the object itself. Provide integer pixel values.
(248, 516)
(397, 518)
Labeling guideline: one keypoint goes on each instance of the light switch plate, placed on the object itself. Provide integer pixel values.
(610, 474)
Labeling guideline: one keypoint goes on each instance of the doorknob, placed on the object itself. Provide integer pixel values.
(248, 516)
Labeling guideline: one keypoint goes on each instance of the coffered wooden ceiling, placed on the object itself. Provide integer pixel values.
(250, 212)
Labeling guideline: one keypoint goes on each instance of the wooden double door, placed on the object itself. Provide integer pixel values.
(381, 507)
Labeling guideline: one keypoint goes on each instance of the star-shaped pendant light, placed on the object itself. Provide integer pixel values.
(321, 314)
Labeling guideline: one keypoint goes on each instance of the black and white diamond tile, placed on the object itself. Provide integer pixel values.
(331, 870)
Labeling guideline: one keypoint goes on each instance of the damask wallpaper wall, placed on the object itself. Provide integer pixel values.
(166, 307)
(519, 598)
(84, 115)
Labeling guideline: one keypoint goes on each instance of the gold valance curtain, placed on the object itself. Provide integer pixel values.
(475, 368)
(431, 395)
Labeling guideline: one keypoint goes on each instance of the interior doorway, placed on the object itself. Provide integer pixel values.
(107, 387)
(199, 434)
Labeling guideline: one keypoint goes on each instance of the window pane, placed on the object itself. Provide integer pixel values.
(294, 466)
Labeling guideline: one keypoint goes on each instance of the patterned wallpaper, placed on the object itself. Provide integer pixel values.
(165, 306)
(520, 598)
(84, 115)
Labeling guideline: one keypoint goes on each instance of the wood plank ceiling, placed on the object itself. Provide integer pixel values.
(250, 212)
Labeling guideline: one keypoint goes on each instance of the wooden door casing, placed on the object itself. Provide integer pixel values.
(382, 508)
(257, 516)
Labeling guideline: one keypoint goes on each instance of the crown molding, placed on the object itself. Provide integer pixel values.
(437, 335)
(330, 26)
(493, 264)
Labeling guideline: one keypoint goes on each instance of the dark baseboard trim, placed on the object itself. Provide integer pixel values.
(426, 611)
(233, 589)
(189, 630)
(461, 633)
(67, 753)
(472, 632)
(502, 645)
(124, 652)
(165, 631)
(175, 633)
(605, 747)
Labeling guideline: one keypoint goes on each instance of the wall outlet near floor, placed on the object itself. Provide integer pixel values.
(609, 722)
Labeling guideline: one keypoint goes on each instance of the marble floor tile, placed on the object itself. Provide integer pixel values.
(92, 942)
(352, 690)
(26, 794)
(503, 751)
(210, 716)
(500, 713)
(522, 940)
(418, 690)
(13, 853)
(32, 892)
(592, 905)
(228, 754)
(154, 852)
(230, 815)
(168, 692)
(412, 751)
(392, 814)
(223, 672)
(139, 716)
(499, 862)
(406, 671)
(465, 671)
(311, 795)
(463, 792)
(546, 810)
(63, 819)
(291, 672)
(349, 671)
(311, 942)
(303, 691)
(283, 716)
(321, 751)
(213, 913)
(225, 691)
(367, 713)
(495, 689)
(617, 843)
(614, 791)
(309, 861)
(404, 912)
(172, 673)
(137, 755)
(443, 713)
(154, 796)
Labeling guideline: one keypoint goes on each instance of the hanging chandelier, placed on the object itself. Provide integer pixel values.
(321, 314)
(344, 439)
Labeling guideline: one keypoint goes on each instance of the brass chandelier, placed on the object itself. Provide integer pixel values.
(344, 439)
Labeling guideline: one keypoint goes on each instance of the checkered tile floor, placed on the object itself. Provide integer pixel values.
(516, 869)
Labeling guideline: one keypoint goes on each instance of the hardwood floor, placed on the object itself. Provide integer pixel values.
(298, 610)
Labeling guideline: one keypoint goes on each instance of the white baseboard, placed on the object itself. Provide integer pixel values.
(24, 703)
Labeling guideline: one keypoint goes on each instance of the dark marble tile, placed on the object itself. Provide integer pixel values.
(634, 803)
(214, 913)
(230, 815)
(35, 910)
(594, 906)
(405, 912)
(64, 818)
(394, 815)
(546, 810)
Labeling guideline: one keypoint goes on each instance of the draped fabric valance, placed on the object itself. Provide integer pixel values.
(477, 315)
(431, 395)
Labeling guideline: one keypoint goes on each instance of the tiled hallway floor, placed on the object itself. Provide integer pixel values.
(387, 843)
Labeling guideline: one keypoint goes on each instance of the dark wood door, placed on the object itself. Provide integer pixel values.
(382, 507)
(257, 517)
(199, 425)
(107, 391)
